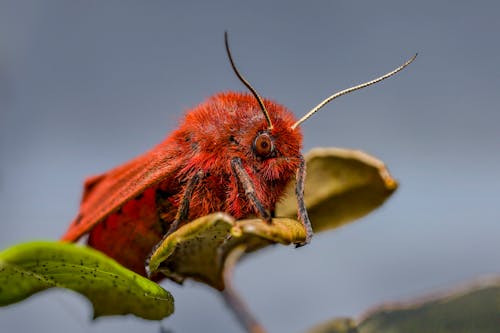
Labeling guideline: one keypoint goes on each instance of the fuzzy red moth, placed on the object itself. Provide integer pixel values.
(233, 153)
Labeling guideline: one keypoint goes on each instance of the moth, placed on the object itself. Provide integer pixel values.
(234, 153)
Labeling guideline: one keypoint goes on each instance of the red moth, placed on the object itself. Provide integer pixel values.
(234, 153)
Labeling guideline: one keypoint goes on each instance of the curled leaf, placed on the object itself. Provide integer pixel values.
(32, 267)
(199, 249)
(341, 186)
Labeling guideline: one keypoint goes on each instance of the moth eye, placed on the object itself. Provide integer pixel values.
(263, 145)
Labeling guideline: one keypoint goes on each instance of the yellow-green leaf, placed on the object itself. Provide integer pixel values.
(341, 186)
(32, 267)
(199, 249)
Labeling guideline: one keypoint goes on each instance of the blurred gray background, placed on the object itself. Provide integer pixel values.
(87, 85)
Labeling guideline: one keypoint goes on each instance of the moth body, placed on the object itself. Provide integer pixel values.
(128, 210)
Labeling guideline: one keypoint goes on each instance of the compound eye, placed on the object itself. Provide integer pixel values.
(263, 145)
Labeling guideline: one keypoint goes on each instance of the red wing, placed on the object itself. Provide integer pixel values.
(106, 193)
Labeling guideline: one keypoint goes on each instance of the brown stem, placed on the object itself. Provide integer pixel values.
(234, 300)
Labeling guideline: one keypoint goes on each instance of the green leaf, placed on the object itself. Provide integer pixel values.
(200, 248)
(32, 267)
(341, 186)
(474, 310)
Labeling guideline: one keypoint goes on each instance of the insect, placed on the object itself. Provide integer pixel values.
(234, 153)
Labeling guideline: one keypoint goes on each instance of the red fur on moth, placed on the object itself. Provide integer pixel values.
(127, 210)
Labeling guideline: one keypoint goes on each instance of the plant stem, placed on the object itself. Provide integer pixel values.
(234, 300)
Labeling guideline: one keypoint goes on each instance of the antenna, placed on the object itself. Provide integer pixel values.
(349, 90)
(245, 82)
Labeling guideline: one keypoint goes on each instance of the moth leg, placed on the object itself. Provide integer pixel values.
(299, 193)
(247, 185)
(182, 213)
(183, 210)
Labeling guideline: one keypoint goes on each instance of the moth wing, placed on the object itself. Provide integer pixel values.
(106, 193)
(90, 184)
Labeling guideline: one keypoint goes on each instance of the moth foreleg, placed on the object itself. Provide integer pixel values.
(247, 185)
(299, 193)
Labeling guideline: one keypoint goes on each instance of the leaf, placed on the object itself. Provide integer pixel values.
(32, 267)
(199, 249)
(475, 310)
(340, 325)
(341, 186)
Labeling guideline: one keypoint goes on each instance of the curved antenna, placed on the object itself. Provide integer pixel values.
(349, 90)
(245, 82)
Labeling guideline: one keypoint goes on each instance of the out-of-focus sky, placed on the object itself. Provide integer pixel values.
(87, 85)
